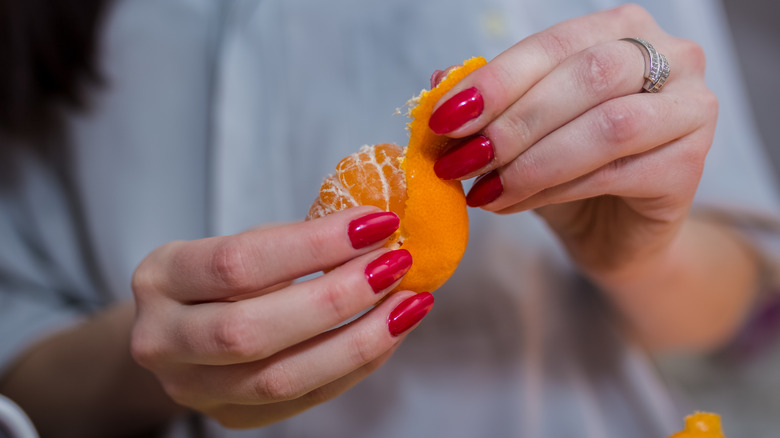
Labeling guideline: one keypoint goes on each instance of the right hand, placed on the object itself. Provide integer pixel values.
(227, 332)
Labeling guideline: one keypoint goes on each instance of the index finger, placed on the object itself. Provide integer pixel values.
(487, 92)
(219, 268)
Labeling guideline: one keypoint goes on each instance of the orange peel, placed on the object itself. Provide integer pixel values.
(701, 425)
(433, 212)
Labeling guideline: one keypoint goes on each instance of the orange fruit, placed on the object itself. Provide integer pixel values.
(701, 425)
(433, 212)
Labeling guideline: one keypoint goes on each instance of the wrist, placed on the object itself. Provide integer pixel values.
(692, 293)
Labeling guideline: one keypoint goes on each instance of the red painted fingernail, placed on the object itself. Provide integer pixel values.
(465, 157)
(486, 189)
(409, 313)
(372, 228)
(456, 111)
(387, 269)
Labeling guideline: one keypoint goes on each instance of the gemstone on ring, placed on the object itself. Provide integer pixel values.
(657, 66)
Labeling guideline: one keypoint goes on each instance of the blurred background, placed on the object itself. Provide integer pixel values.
(744, 384)
(757, 38)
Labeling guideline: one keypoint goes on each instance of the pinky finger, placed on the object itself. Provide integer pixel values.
(666, 172)
(301, 369)
(251, 416)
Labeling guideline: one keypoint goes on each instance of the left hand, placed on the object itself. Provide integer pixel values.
(563, 129)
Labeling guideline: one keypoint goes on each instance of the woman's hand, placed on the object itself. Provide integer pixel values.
(227, 333)
(558, 124)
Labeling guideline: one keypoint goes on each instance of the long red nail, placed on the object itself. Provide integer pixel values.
(372, 228)
(486, 189)
(409, 313)
(465, 157)
(456, 111)
(387, 269)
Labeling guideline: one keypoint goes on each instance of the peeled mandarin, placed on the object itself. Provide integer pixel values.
(433, 212)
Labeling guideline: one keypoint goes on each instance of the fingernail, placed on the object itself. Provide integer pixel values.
(439, 75)
(456, 111)
(372, 228)
(409, 313)
(387, 269)
(486, 189)
(436, 77)
(465, 157)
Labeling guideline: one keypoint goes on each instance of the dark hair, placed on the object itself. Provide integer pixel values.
(48, 51)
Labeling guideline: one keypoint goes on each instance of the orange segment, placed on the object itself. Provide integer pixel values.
(433, 212)
(371, 176)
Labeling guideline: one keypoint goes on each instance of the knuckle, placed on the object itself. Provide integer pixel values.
(146, 287)
(617, 123)
(275, 384)
(694, 55)
(319, 245)
(711, 104)
(695, 155)
(148, 278)
(235, 337)
(529, 171)
(363, 347)
(144, 349)
(557, 45)
(598, 71)
(633, 14)
(228, 265)
(515, 128)
(334, 299)
(142, 282)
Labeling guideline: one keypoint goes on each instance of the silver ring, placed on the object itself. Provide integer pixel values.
(657, 67)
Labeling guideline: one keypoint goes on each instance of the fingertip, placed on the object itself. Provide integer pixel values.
(455, 112)
(486, 189)
(372, 228)
(388, 269)
(409, 312)
(465, 157)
